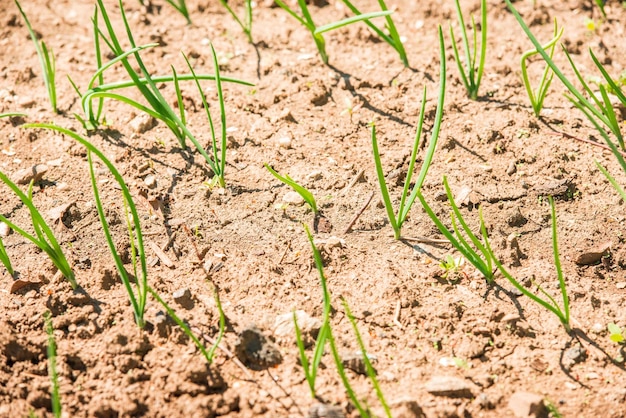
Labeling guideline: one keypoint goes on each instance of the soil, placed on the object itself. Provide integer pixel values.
(494, 352)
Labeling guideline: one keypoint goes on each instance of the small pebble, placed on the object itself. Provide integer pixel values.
(511, 169)
(284, 142)
(293, 198)
(450, 386)
(34, 173)
(183, 298)
(525, 404)
(4, 230)
(150, 181)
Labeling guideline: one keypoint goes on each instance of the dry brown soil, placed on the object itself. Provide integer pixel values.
(246, 241)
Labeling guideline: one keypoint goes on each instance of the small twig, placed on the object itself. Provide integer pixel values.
(282, 257)
(161, 255)
(354, 181)
(425, 240)
(587, 141)
(190, 235)
(396, 314)
(359, 213)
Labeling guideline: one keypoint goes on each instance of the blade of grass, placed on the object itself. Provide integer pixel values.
(46, 60)
(371, 373)
(306, 195)
(406, 200)
(246, 26)
(138, 301)
(471, 75)
(52, 367)
(5, 259)
(537, 98)
(44, 238)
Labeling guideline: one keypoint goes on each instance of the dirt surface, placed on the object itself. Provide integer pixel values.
(490, 350)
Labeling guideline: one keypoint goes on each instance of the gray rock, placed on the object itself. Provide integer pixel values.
(450, 386)
(34, 173)
(255, 350)
(322, 410)
(142, 123)
(293, 198)
(526, 404)
(150, 181)
(574, 355)
(183, 298)
(309, 326)
(406, 408)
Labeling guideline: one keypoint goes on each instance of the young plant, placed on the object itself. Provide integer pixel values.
(393, 38)
(12, 115)
(537, 97)
(44, 237)
(311, 368)
(210, 353)
(46, 60)
(306, 195)
(601, 110)
(246, 24)
(52, 367)
(6, 261)
(371, 373)
(451, 265)
(317, 32)
(147, 85)
(137, 297)
(476, 253)
(617, 335)
(181, 6)
(471, 74)
(406, 200)
(548, 302)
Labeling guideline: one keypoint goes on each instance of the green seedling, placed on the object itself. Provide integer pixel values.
(393, 38)
(371, 373)
(52, 367)
(147, 85)
(601, 110)
(210, 353)
(406, 200)
(306, 195)
(451, 265)
(6, 261)
(617, 335)
(537, 97)
(181, 6)
(46, 60)
(44, 237)
(137, 297)
(476, 253)
(246, 24)
(311, 368)
(548, 302)
(611, 179)
(13, 115)
(471, 74)
(600, 4)
(218, 163)
(317, 32)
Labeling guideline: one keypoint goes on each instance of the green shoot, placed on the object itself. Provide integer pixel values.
(12, 115)
(6, 261)
(612, 180)
(44, 237)
(471, 74)
(217, 164)
(617, 335)
(549, 302)
(52, 367)
(46, 60)
(371, 373)
(537, 97)
(208, 354)
(603, 113)
(393, 38)
(600, 4)
(138, 300)
(311, 368)
(481, 257)
(451, 265)
(306, 195)
(159, 108)
(406, 201)
(246, 24)
(181, 6)
(363, 412)
(317, 32)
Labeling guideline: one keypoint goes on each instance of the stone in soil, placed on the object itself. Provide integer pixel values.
(322, 410)
(406, 408)
(526, 404)
(183, 298)
(34, 173)
(309, 326)
(450, 386)
(255, 350)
